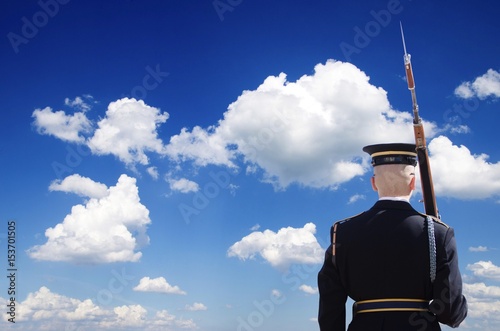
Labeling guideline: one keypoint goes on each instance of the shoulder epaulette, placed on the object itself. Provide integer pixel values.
(347, 219)
(435, 219)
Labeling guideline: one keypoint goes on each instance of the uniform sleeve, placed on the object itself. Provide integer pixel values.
(449, 305)
(332, 297)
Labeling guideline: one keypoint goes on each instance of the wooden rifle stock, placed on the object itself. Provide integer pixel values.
(430, 204)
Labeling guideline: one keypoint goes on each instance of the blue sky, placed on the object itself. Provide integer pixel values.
(177, 165)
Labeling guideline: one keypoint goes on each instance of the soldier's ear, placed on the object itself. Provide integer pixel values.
(412, 183)
(372, 180)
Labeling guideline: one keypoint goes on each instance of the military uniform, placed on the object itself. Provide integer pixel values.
(398, 265)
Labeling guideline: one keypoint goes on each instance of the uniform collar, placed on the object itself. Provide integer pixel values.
(386, 204)
(395, 199)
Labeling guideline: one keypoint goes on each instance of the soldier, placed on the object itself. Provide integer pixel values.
(398, 265)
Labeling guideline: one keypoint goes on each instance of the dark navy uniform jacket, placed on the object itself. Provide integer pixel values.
(384, 253)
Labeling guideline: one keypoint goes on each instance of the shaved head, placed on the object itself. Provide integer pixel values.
(394, 180)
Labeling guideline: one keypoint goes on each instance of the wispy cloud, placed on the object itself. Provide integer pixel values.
(80, 103)
(478, 249)
(355, 198)
(197, 306)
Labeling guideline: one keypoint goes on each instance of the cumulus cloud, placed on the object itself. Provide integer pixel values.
(485, 270)
(159, 285)
(459, 173)
(65, 127)
(204, 147)
(484, 306)
(308, 289)
(46, 310)
(482, 87)
(182, 185)
(128, 131)
(197, 306)
(308, 132)
(280, 249)
(106, 229)
(83, 186)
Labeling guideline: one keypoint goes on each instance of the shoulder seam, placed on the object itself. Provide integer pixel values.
(435, 219)
(347, 219)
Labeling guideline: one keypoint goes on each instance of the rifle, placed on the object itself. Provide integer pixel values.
(421, 149)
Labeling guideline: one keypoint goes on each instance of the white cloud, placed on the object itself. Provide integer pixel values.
(356, 197)
(197, 306)
(309, 132)
(287, 246)
(62, 126)
(83, 186)
(46, 305)
(128, 131)
(49, 311)
(202, 146)
(255, 227)
(483, 306)
(183, 185)
(478, 249)
(485, 270)
(164, 319)
(153, 172)
(79, 103)
(308, 289)
(460, 174)
(159, 285)
(481, 290)
(482, 87)
(276, 293)
(107, 229)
